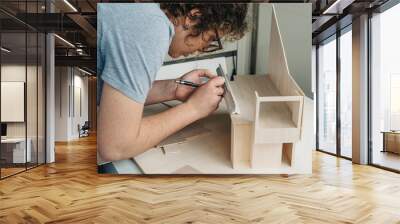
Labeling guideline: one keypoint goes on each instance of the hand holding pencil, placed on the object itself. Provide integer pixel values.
(188, 83)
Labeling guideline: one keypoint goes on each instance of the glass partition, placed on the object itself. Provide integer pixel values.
(14, 153)
(22, 77)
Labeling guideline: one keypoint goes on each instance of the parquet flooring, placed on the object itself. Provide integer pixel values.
(71, 191)
(10, 171)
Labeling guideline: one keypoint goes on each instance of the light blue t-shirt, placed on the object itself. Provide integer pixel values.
(132, 42)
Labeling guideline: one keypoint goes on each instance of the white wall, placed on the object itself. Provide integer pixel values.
(61, 104)
(69, 81)
(12, 73)
(263, 37)
(80, 84)
(294, 21)
(244, 46)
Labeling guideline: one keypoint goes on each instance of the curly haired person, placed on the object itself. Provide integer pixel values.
(132, 41)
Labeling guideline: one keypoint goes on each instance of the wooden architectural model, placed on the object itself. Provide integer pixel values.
(264, 136)
(271, 112)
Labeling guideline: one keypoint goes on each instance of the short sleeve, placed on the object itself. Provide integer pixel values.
(133, 45)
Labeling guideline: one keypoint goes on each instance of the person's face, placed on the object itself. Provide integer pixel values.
(185, 43)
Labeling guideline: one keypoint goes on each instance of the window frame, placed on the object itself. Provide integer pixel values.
(334, 37)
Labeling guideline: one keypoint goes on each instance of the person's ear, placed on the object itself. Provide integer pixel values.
(192, 18)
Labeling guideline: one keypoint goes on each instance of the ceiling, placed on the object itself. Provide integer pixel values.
(72, 20)
(332, 15)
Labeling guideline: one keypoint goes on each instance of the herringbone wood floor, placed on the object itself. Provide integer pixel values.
(71, 191)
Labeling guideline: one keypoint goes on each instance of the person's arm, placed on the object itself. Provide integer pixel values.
(161, 91)
(165, 90)
(123, 133)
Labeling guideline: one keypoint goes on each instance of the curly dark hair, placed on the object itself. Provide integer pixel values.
(230, 18)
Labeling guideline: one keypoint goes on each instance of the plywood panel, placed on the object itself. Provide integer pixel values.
(244, 88)
(275, 115)
(206, 153)
(277, 63)
(266, 156)
(287, 153)
(240, 142)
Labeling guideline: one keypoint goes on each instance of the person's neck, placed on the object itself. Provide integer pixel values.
(175, 21)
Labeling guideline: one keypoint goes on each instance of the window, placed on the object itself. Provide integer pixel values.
(394, 101)
(385, 89)
(346, 92)
(335, 74)
(327, 96)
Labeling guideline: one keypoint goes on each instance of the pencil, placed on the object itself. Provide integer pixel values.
(188, 83)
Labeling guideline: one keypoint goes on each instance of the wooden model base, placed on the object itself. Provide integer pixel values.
(210, 151)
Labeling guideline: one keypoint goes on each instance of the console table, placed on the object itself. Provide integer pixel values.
(391, 141)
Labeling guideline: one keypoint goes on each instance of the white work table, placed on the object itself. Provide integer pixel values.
(18, 149)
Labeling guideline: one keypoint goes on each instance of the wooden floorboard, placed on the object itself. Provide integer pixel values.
(71, 191)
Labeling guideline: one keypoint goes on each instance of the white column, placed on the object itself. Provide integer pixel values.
(50, 109)
(50, 93)
(360, 90)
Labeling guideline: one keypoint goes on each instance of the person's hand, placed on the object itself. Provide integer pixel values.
(207, 97)
(183, 92)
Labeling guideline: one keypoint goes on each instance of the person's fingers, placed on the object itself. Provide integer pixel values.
(205, 73)
(217, 81)
(219, 91)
